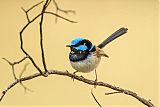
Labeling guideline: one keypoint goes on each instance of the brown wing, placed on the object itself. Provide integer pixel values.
(99, 52)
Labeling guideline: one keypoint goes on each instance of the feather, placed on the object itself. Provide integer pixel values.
(99, 52)
(115, 35)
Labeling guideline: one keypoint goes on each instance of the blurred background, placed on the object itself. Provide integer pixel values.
(132, 62)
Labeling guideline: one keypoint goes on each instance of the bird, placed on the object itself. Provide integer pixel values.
(85, 57)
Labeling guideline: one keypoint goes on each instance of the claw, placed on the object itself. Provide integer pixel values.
(95, 83)
(67, 71)
(74, 73)
(81, 76)
(95, 79)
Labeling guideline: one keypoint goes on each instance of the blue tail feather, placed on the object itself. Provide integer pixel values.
(115, 35)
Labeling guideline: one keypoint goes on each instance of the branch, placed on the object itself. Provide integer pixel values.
(29, 22)
(13, 70)
(113, 93)
(61, 10)
(20, 76)
(13, 64)
(26, 11)
(41, 36)
(82, 79)
(95, 99)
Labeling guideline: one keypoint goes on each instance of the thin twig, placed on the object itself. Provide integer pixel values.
(34, 6)
(95, 99)
(13, 64)
(61, 10)
(13, 70)
(26, 14)
(26, 11)
(48, 3)
(20, 76)
(61, 17)
(113, 93)
(41, 37)
(16, 62)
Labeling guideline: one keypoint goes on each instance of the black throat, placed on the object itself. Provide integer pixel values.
(78, 56)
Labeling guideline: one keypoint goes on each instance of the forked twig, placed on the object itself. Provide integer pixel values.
(61, 10)
(26, 11)
(13, 70)
(13, 64)
(31, 21)
(20, 76)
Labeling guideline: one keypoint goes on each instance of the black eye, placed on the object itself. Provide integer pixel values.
(74, 49)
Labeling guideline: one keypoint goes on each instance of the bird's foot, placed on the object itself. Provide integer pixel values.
(95, 83)
(74, 73)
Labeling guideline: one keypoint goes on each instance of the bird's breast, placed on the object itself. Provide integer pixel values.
(86, 65)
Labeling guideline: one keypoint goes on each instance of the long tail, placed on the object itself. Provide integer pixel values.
(115, 35)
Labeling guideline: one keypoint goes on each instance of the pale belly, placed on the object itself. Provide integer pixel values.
(87, 65)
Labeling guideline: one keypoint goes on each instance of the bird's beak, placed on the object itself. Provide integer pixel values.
(68, 46)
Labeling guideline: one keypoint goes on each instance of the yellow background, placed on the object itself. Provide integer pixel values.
(132, 62)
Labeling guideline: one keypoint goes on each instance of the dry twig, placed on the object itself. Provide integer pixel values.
(13, 70)
(95, 99)
(41, 37)
(61, 10)
(113, 93)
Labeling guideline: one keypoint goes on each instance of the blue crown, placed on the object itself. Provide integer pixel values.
(76, 40)
(82, 48)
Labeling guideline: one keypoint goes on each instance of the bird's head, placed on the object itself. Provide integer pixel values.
(80, 45)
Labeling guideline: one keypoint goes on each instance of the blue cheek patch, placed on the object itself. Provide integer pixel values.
(76, 40)
(81, 47)
(91, 47)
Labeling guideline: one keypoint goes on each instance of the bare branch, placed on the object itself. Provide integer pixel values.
(13, 64)
(17, 62)
(17, 81)
(34, 6)
(61, 10)
(48, 3)
(13, 70)
(95, 99)
(21, 37)
(26, 11)
(26, 14)
(20, 76)
(61, 17)
(29, 22)
(64, 11)
(82, 79)
(41, 36)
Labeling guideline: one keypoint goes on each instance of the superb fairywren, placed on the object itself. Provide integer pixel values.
(85, 56)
